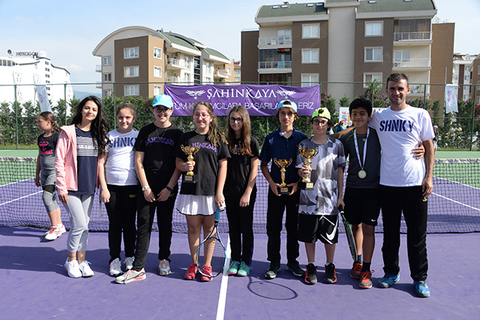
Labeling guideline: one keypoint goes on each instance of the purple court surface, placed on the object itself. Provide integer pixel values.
(36, 286)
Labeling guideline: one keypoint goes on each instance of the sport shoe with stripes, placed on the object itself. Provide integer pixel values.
(366, 281)
(356, 271)
(131, 276)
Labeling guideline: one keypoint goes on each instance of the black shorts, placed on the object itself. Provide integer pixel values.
(318, 227)
(362, 206)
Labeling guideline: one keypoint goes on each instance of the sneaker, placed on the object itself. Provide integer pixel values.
(311, 274)
(53, 233)
(61, 228)
(243, 270)
(164, 267)
(207, 270)
(191, 272)
(356, 271)
(129, 262)
(388, 280)
(115, 267)
(295, 269)
(233, 270)
(421, 289)
(72, 268)
(330, 274)
(366, 281)
(272, 271)
(85, 269)
(131, 276)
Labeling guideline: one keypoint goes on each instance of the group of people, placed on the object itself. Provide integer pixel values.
(137, 173)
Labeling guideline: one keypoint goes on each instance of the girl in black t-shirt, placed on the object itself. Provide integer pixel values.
(240, 190)
(197, 201)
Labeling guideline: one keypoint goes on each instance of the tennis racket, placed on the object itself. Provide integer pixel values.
(213, 244)
(349, 233)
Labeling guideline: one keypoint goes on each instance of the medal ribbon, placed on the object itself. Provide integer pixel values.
(361, 162)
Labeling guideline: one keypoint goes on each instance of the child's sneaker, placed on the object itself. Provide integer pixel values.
(191, 272)
(330, 273)
(129, 262)
(131, 276)
(294, 268)
(311, 274)
(53, 233)
(356, 271)
(164, 267)
(207, 271)
(72, 268)
(233, 270)
(388, 280)
(421, 289)
(61, 228)
(85, 269)
(243, 270)
(366, 281)
(115, 267)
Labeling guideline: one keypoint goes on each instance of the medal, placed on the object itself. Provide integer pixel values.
(362, 174)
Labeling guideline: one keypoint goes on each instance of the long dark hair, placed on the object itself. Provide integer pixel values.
(48, 116)
(99, 127)
(213, 135)
(245, 137)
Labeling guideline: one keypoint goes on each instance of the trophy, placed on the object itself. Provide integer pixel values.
(189, 177)
(307, 154)
(282, 164)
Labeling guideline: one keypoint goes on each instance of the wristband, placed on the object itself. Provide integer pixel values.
(145, 188)
(168, 188)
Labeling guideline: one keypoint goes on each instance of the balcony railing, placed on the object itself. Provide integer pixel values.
(275, 65)
(273, 41)
(173, 62)
(413, 63)
(98, 84)
(98, 68)
(412, 36)
(419, 89)
(173, 79)
(220, 73)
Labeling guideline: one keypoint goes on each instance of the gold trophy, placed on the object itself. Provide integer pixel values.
(307, 154)
(283, 164)
(189, 177)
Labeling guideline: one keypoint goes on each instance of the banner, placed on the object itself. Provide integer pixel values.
(43, 98)
(451, 103)
(259, 100)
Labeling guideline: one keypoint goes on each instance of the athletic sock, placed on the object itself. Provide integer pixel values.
(366, 266)
(359, 259)
(312, 263)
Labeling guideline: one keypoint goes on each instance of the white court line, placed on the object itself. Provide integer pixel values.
(32, 194)
(222, 298)
(9, 184)
(457, 202)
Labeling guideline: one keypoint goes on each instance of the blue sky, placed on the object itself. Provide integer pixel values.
(68, 31)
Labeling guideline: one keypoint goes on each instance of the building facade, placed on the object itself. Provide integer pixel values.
(475, 68)
(349, 44)
(139, 61)
(22, 71)
(462, 75)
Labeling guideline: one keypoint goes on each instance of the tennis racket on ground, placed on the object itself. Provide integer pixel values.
(213, 244)
(349, 233)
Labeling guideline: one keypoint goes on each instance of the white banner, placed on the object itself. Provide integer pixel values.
(451, 103)
(43, 98)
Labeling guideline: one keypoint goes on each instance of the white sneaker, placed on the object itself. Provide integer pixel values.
(131, 276)
(85, 269)
(115, 267)
(129, 262)
(61, 228)
(164, 267)
(73, 269)
(55, 232)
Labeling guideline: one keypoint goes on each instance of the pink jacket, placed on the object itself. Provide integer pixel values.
(66, 161)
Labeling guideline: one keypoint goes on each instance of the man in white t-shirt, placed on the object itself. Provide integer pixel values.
(405, 182)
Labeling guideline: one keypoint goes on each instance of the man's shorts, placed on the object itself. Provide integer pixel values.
(362, 206)
(318, 227)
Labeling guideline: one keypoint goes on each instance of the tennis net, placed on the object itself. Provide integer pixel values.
(454, 206)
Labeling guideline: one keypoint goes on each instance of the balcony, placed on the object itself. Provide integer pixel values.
(274, 41)
(412, 36)
(220, 73)
(176, 63)
(98, 68)
(275, 65)
(98, 85)
(413, 64)
(419, 90)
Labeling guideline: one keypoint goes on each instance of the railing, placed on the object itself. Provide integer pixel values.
(173, 62)
(273, 41)
(275, 65)
(98, 84)
(220, 73)
(413, 63)
(173, 79)
(98, 68)
(412, 36)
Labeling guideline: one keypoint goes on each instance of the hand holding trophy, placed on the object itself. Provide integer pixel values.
(307, 154)
(283, 164)
(190, 152)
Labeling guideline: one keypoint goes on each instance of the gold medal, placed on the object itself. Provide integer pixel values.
(362, 174)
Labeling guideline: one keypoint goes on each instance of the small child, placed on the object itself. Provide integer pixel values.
(318, 208)
(47, 143)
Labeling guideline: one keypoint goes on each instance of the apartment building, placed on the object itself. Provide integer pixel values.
(237, 69)
(139, 61)
(475, 68)
(348, 43)
(462, 75)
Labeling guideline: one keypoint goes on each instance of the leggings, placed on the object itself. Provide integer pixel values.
(79, 208)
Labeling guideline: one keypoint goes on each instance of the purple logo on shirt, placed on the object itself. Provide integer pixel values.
(170, 142)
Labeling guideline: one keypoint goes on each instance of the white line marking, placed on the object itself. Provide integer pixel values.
(32, 194)
(457, 202)
(222, 298)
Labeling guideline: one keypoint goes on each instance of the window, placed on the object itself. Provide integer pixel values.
(478, 69)
(229, 71)
(237, 71)
(370, 77)
(207, 67)
(208, 79)
(401, 56)
(187, 77)
(373, 29)
(309, 55)
(309, 79)
(157, 72)
(107, 93)
(107, 77)
(157, 53)
(467, 77)
(310, 31)
(130, 72)
(107, 61)
(373, 54)
(131, 90)
(284, 36)
(455, 77)
(187, 62)
(157, 90)
(129, 53)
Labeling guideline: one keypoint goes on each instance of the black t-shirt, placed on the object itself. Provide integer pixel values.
(159, 145)
(47, 147)
(206, 163)
(239, 167)
(87, 160)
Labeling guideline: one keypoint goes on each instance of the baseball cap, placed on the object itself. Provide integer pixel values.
(321, 112)
(287, 104)
(163, 100)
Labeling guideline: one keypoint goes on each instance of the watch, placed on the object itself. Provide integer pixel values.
(145, 188)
